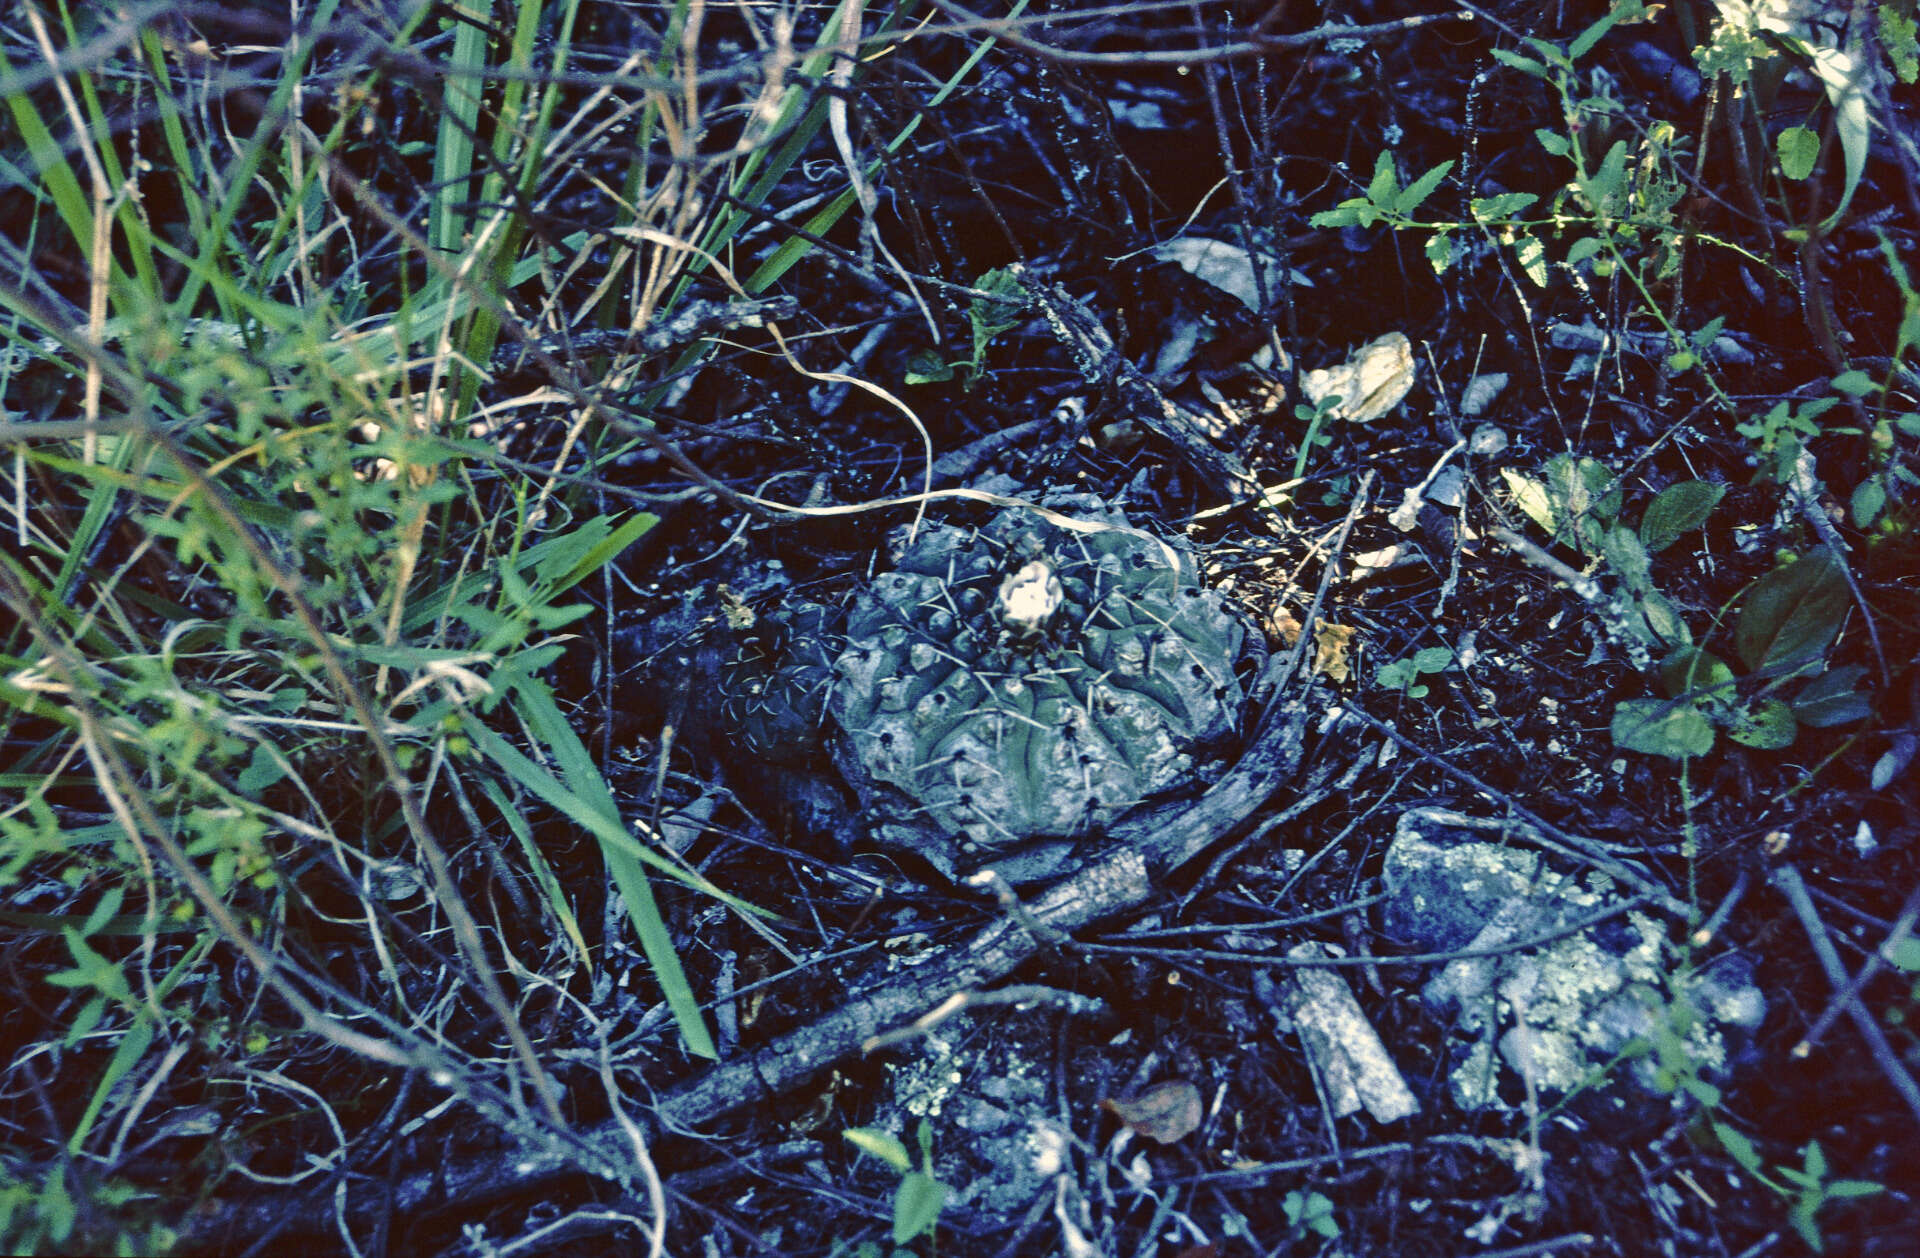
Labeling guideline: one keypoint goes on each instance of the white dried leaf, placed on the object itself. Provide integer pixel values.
(1227, 267)
(1369, 384)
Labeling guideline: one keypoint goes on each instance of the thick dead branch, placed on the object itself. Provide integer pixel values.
(1143, 853)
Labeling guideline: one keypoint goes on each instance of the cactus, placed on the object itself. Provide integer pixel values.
(1022, 679)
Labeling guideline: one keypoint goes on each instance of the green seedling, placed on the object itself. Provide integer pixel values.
(990, 317)
(921, 1196)
(1788, 622)
(1577, 501)
(1404, 675)
(1806, 1188)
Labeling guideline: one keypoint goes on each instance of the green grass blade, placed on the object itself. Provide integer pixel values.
(542, 871)
(584, 799)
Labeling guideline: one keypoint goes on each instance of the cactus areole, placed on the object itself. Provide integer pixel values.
(1023, 679)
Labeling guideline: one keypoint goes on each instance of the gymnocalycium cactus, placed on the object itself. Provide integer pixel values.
(1026, 679)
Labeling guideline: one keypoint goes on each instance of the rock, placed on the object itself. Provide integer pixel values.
(1567, 987)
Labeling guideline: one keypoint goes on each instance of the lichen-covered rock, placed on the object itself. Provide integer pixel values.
(1553, 988)
(1025, 679)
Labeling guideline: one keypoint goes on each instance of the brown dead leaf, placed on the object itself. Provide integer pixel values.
(1284, 625)
(1164, 1112)
(1331, 648)
(734, 608)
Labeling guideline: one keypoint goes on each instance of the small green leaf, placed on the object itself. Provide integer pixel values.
(1841, 1188)
(1869, 500)
(1526, 65)
(1792, 614)
(924, 366)
(916, 1206)
(1583, 42)
(1660, 727)
(1688, 671)
(1801, 1216)
(1440, 252)
(1897, 38)
(1353, 212)
(1504, 205)
(1663, 618)
(1767, 724)
(1432, 659)
(1530, 496)
(1608, 184)
(1386, 181)
(108, 906)
(1678, 509)
(1584, 248)
(881, 1144)
(1854, 383)
(1553, 142)
(1532, 256)
(1906, 954)
(1798, 148)
(1830, 698)
(1627, 557)
(1420, 189)
(1738, 1147)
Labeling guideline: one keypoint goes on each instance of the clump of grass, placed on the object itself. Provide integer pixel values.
(283, 599)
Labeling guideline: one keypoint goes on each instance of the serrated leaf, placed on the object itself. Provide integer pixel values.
(1386, 181)
(1897, 39)
(1532, 256)
(1584, 248)
(1504, 205)
(1792, 614)
(1767, 724)
(1420, 189)
(1353, 212)
(1513, 60)
(1660, 727)
(1797, 149)
(1440, 252)
(881, 1144)
(1627, 557)
(1678, 509)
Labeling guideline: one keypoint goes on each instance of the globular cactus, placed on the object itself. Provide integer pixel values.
(778, 712)
(1026, 679)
